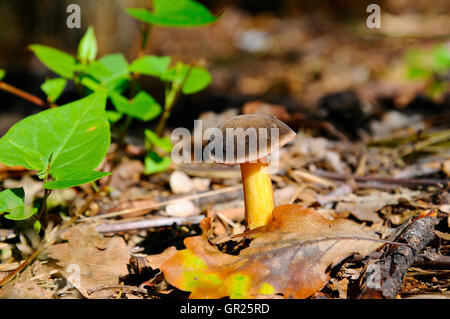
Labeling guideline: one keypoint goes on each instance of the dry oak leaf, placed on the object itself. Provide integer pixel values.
(291, 256)
(101, 260)
(26, 285)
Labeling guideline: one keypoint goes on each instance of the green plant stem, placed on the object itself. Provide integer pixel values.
(146, 28)
(145, 34)
(171, 98)
(24, 95)
(43, 212)
(124, 131)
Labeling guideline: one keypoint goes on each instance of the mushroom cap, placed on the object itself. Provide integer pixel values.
(272, 137)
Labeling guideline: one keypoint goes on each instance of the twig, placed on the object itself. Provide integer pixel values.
(121, 287)
(433, 260)
(147, 223)
(433, 139)
(24, 95)
(441, 183)
(407, 37)
(314, 178)
(164, 203)
(385, 277)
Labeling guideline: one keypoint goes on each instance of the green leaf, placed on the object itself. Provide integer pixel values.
(174, 13)
(198, 79)
(53, 88)
(37, 226)
(87, 48)
(113, 116)
(143, 107)
(58, 61)
(115, 63)
(12, 202)
(2, 74)
(155, 164)
(76, 178)
(441, 56)
(111, 70)
(161, 142)
(98, 70)
(90, 83)
(75, 137)
(151, 65)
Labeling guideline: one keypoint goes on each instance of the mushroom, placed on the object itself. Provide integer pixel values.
(271, 134)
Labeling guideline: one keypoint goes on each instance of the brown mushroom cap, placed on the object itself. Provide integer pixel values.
(240, 124)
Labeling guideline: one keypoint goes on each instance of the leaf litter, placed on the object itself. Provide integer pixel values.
(399, 145)
(290, 256)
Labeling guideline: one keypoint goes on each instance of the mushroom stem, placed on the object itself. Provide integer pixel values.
(258, 194)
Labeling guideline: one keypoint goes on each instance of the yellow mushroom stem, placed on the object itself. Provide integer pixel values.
(258, 194)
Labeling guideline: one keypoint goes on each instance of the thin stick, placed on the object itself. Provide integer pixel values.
(384, 180)
(391, 268)
(164, 203)
(147, 223)
(121, 287)
(24, 95)
(314, 178)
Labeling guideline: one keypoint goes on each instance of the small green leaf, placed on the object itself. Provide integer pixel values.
(111, 71)
(161, 142)
(441, 55)
(37, 226)
(151, 65)
(97, 70)
(143, 107)
(12, 202)
(54, 88)
(113, 116)
(87, 49)
(198, 79)
(90, 83)
(115, 63)
(2, 74)
(155, 164)
(76, 136)
(58, 61)
(75, 178)
(174, 13)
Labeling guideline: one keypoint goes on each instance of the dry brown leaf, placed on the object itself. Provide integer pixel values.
(291, 255)
(362, 211)
(442, 235)
(101, 261)
(25, 285)
(127, 174)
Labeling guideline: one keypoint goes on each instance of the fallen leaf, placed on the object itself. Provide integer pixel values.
(100, 260)
(127, 174)
(441, 235)
(362, 211)
(291, 256)
(26, 285)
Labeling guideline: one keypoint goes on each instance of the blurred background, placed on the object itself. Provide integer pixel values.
(308, 56)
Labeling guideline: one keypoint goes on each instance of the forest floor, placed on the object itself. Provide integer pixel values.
(371, 148)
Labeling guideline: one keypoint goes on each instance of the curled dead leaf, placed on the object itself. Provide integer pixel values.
(101, 261)
(290, 256)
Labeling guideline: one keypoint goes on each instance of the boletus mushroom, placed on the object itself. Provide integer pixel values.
(248, 140)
